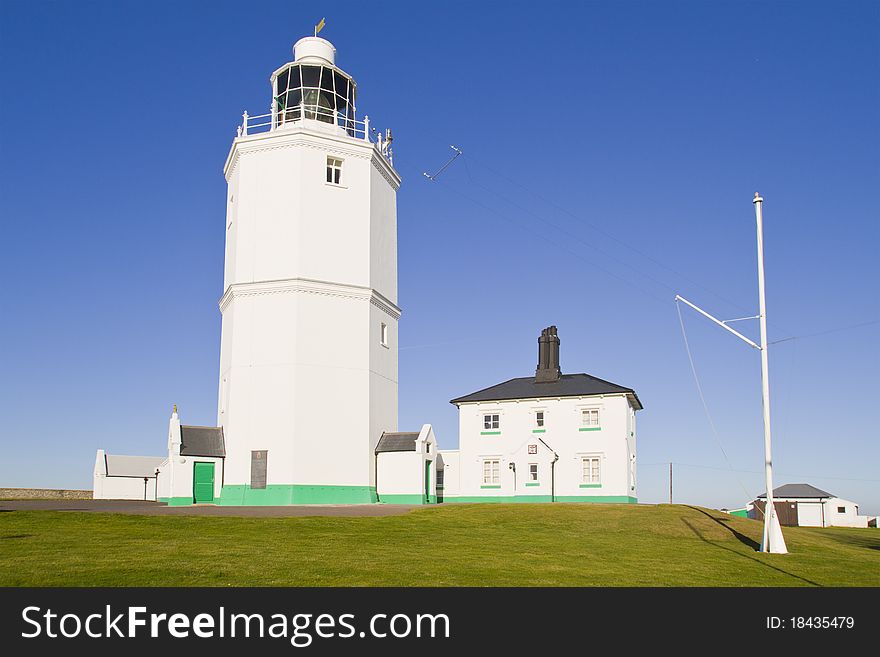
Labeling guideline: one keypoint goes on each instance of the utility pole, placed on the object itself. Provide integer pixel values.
(772, 539)
(670, 482)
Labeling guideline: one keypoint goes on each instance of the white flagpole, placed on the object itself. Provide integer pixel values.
(772, 540)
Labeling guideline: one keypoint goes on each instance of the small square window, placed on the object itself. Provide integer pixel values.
(491, 421)
(383, 334)
(533, 472)
(539, 419)
(841, 509)
(334, 171)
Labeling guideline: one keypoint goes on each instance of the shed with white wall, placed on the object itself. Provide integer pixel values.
(125, 477)
(406, 467)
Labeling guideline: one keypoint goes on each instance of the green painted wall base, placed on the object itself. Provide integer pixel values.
(407, 499)
(176, 501)
(286, 494)
(512, 499)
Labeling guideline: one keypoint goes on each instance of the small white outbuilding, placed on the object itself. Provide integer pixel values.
(125, 477)
(406, 467)
(803, 505)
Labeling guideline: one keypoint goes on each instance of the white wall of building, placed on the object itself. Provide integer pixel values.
(613, 443)
(401, 475)
(108, 484)
(310, 277)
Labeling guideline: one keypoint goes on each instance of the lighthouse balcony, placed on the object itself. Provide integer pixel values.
(319, 118)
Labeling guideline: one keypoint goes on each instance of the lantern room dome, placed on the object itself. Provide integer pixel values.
(314, 49)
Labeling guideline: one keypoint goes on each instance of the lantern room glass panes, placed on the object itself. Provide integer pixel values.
(320, 93)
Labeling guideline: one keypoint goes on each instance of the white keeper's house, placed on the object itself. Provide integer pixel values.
(550, 437)
(307, 408)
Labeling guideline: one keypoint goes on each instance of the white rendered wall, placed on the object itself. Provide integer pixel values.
(849, 518)
(311, 273)
(449, 461)
(403, 473)
(562, 421)
(106, 487)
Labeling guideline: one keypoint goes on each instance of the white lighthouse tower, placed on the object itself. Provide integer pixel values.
(308, 356)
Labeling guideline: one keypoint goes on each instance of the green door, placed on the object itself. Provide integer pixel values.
(427, 482)
(203, 482)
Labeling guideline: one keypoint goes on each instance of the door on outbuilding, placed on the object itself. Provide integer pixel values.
(203, 482)
(786, 512)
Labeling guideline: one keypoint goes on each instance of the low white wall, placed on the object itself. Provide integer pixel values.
(125, 488)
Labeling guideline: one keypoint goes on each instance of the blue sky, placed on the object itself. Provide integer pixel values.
(611, 153)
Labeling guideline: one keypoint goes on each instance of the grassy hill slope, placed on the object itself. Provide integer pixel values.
(467, 545)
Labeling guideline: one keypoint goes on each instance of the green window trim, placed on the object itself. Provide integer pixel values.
(539, 431)
(590, 429)
(490, 433)
(491, 486)
(590, 486)
(533, 483)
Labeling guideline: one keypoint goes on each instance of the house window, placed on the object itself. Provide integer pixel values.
(841, 509)
(441, 475)
(533, 472)
(589, 419)
(539, 419)
(590, 473)
(383, 335)
(491, 472)
(491, 421)
(334, 171)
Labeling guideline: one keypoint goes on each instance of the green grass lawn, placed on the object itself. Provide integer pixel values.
(466, 545)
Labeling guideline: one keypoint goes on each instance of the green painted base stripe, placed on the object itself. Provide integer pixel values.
(402, 499)
(507, 499)
(590, 429)
(490, 433)
(285, 494)
(176, 501)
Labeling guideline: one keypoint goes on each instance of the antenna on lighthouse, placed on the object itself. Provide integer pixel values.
(772, 540)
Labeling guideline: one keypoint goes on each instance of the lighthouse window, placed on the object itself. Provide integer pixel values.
(383, 335)
(315, 92)
(334, 171)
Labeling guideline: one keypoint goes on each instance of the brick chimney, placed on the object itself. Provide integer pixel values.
(548, 357)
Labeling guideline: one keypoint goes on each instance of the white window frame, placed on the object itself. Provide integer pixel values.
(494, 423)
(589, 412)
(491, 471)
(333, 171)
(383, 334)
(586, 477)
(533, 474)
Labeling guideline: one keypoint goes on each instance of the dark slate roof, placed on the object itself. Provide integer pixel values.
(797, 490)
(568, 385)
(397, 442)
(202, 441)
